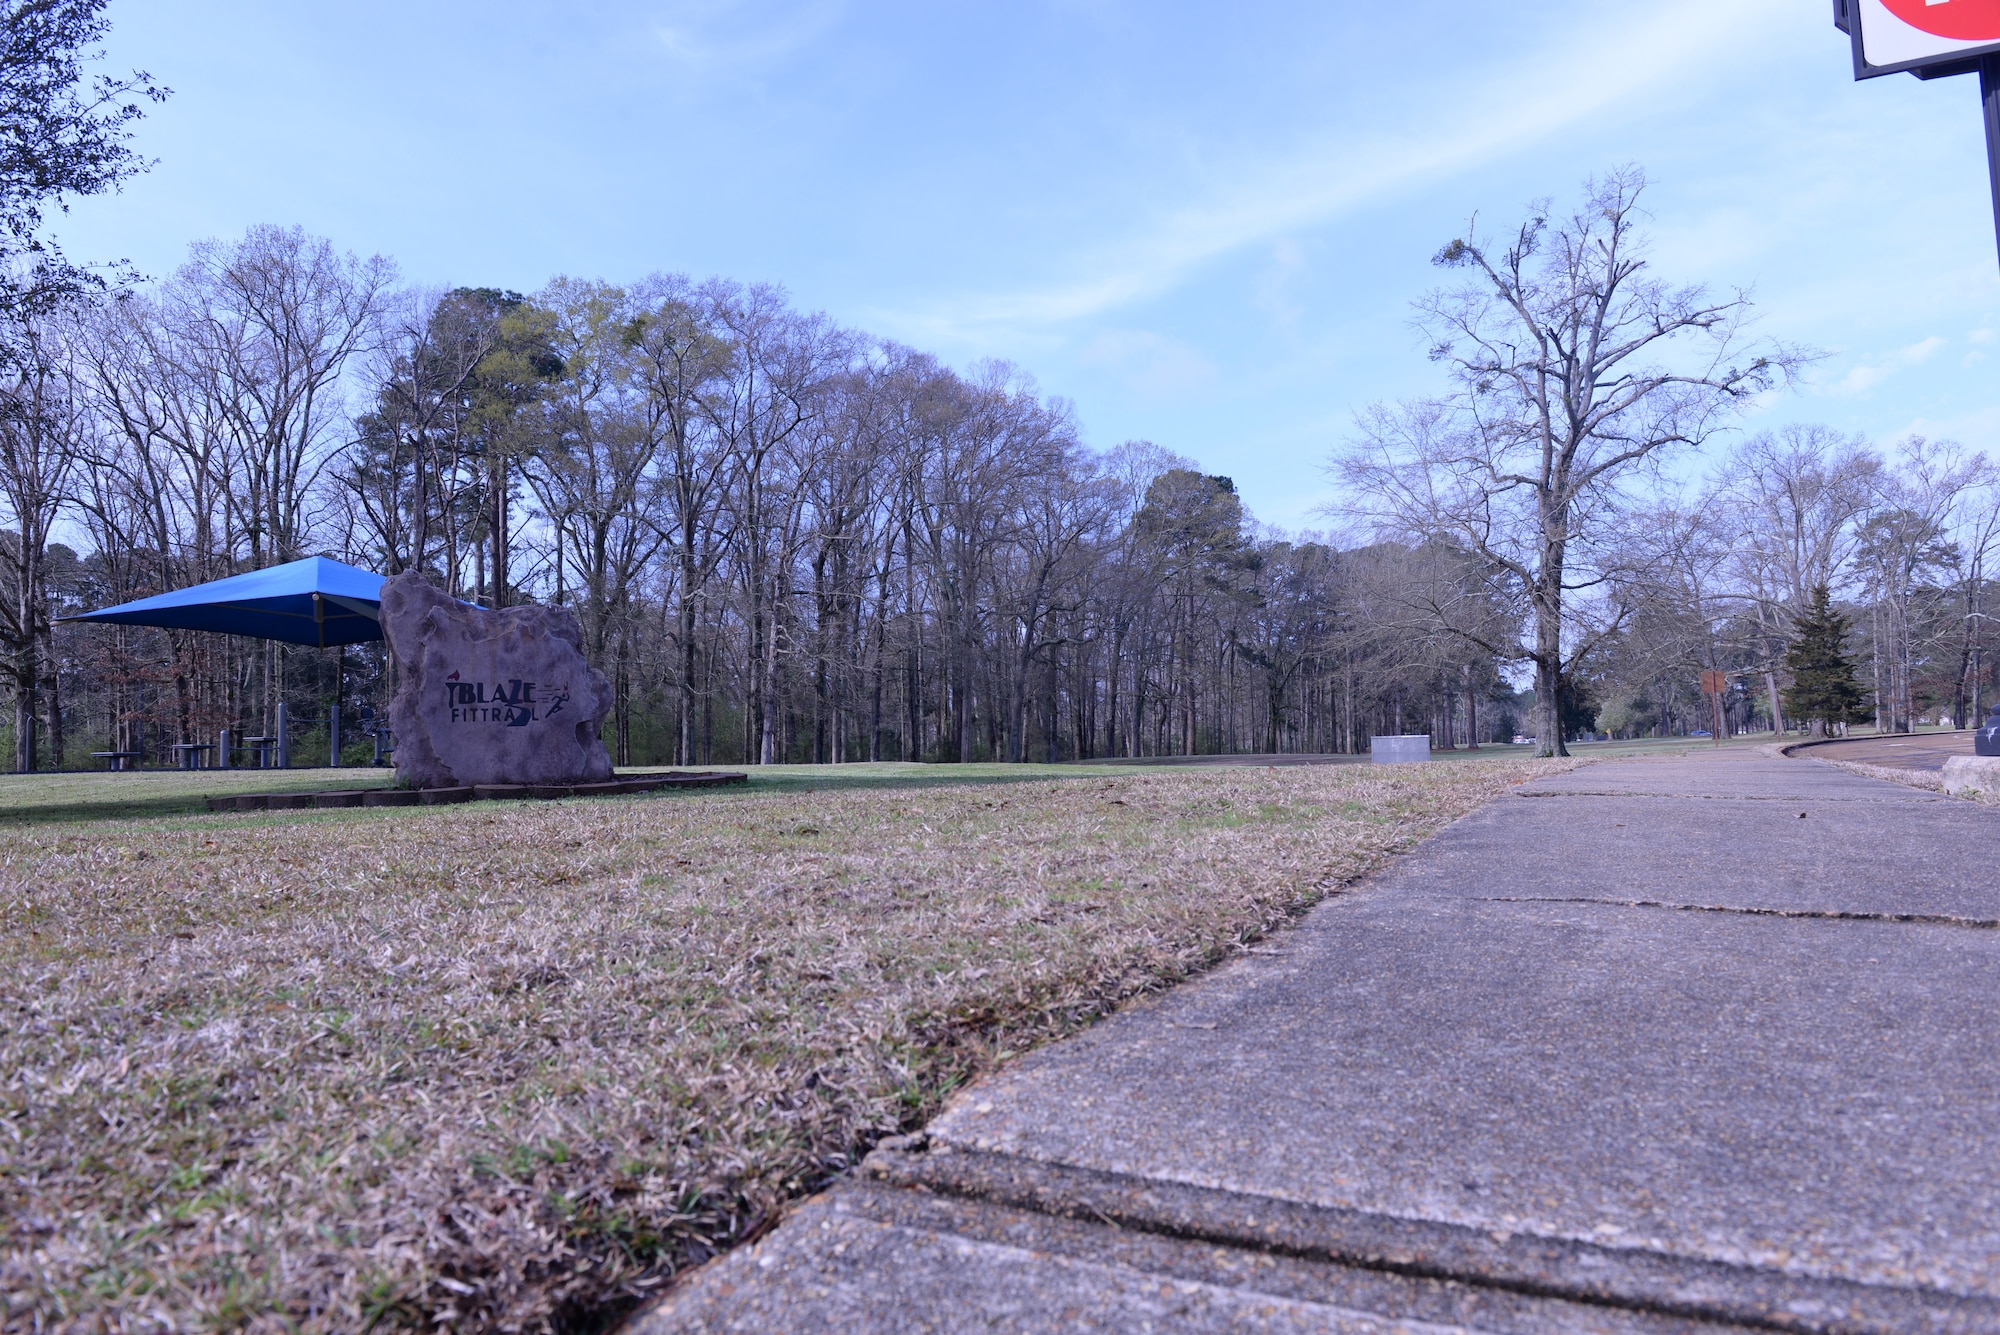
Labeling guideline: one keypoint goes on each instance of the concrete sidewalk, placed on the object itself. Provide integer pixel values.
(1660, 1045)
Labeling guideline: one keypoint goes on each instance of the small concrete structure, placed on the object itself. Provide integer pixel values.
(1406, 749)
(486, 697)
(1973, 776)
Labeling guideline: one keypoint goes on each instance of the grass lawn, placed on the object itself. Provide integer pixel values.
(509, 1066)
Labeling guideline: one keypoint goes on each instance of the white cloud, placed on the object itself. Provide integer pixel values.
(1277, 287)
(1585, 76)
(1978, 429)
(713, 39)
(1866, 376)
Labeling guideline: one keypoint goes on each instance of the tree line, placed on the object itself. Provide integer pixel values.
(783, 540)
(788, 541)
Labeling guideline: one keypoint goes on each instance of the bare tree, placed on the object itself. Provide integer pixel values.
(1571, 368)
(760, 409)
(1979, 540)
(42, 424)
(1791, 499)
(1906, 537)
(277, 316)
(677, 355)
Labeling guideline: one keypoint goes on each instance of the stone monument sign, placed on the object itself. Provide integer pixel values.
(490, 697)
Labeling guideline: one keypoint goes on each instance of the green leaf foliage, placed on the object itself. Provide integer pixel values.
(1824, 687)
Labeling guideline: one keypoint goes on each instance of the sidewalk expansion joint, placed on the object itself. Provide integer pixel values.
(1830, 915)
(1630, 1279)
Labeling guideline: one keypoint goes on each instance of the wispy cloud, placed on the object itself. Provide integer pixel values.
(1978, 428)
(1578, 77)
(1862, 378)
(1149, 362)
(711, 39)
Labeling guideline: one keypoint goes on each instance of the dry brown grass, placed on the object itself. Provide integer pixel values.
(1930, 780)
(509, 1067)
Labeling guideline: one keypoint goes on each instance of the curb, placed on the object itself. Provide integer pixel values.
(1628, 1278)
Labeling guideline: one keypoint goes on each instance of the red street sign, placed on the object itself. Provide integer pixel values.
(1960, 20)
(1927, 37)
(1932, 39)
(1714, 683)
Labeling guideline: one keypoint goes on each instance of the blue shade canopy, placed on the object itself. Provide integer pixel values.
(314, 601)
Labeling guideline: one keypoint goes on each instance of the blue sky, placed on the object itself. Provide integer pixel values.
(1202, 223)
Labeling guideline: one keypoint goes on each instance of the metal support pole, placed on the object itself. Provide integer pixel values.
(222, 749)
(333, 718)
(1989, 105)
(284, 737)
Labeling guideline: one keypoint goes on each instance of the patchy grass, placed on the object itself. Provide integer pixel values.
(510, 1066)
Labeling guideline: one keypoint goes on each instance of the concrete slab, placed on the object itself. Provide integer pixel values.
(1768, 1092)
(1803, 855)
(1749, 775)
(866, 1258)
(1649, 1045)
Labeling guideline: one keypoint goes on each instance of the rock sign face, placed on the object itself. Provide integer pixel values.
(490, 697)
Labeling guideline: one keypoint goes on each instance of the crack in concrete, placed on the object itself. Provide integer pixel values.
(1836, 915)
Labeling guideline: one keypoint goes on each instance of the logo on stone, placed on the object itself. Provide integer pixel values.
(490, 697)
(511, 704)
(1960, 20)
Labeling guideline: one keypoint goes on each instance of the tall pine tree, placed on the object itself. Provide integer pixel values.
(1824, 689)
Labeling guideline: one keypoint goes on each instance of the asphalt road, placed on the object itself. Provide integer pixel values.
(1662, 1045)
(1919, 751)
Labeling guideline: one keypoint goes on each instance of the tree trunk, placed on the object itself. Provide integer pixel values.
(54, 679)
(497, 522)
(684, 751)
(1471, 712)
(1548, 687)
(24, 721)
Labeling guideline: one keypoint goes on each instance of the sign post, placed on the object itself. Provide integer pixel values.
(1713, 684)
(1932, 39)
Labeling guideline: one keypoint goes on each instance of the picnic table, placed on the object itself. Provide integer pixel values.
(263, 746)
(191, 753)
(117, 760)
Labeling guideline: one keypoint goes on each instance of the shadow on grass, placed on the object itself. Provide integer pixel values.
(82, 799)
(891, 775)
(66, 799)
(74, 798)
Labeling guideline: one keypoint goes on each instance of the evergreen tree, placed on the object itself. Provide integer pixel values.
(1824, 689)
(1574, 707)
